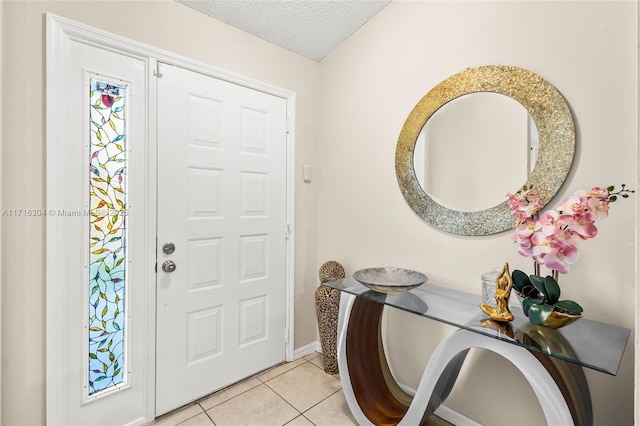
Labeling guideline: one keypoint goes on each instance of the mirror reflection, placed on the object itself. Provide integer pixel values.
(474, 150)
(555, 150)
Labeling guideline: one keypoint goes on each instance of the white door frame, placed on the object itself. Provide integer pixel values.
(59, 32)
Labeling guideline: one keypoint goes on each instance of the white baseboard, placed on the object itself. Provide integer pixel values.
(307, 349)
(453, 417)
(446, 413)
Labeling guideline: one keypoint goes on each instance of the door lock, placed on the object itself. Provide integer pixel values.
(168, 248)
(169, 266)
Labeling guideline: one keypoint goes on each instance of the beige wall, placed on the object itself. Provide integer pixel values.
(163, 24)
(369, 85)
(1, 55)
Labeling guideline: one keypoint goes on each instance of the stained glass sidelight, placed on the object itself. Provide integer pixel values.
(107, 245)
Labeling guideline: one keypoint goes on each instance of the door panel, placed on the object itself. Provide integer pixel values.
(85, 285)
(222, 203)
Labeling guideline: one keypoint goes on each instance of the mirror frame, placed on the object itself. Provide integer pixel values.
(556, 133)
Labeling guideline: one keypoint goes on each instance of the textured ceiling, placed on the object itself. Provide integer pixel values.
(312, 28)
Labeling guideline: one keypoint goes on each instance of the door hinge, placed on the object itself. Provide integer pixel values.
(157, 72)
(288, 125)
(286, 337)
(287, 231)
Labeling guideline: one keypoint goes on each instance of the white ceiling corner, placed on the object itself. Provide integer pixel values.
(311, 28)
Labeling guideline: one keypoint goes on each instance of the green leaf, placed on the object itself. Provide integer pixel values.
(531, 291)
(526, 305)
(538, 283)
(520, 280)
(539, 313)
(552, 289)
(569, 306)
(92, 355)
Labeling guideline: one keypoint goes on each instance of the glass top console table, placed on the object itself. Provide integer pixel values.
(549, 359)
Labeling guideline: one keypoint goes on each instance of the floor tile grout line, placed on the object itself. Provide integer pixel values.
(256, 376)
(273, 390)
(261, 382)
(207, 414)
(297, 417)
(283, 398)
(305, 411)
(321, 401)
(176, 411)
(229, 399)
(278, 375)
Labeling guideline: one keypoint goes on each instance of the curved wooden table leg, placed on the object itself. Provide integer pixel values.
(379, 402)
(376, 399)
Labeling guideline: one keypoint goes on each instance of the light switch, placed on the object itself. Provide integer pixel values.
(306, 174)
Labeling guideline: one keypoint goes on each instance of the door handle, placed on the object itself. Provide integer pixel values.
(169, 266)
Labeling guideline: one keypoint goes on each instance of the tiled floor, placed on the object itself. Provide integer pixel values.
(297, 393)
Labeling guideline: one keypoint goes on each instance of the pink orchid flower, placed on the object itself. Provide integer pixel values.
(550, 238)
(571, 205)
(584, 227)
(549, 223)
(562, 259)
(598, 207)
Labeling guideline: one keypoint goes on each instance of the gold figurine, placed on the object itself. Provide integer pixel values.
(501, 312)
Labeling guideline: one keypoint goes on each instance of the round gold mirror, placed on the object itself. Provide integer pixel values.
(555, 134)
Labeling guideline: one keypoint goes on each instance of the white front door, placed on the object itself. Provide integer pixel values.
(222, 206)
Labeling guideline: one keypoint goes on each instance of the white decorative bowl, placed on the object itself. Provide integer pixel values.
(389, 279)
